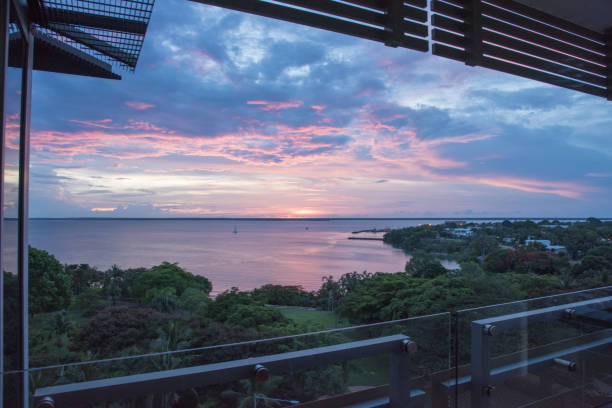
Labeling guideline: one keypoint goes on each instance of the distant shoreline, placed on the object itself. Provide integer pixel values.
(309, 219)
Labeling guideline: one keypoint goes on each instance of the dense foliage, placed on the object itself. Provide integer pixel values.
(80, 313)
(50, 284)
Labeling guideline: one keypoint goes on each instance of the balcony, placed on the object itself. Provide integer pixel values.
(545, 352)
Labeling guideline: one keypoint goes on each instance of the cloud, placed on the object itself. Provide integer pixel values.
(237, 114)
(600, 175)
(139, 105)
(275, 106)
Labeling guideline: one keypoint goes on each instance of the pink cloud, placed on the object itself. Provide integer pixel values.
(275, 106)
(563, 189)
(602, 175)
(103, 209)
(395, 154)
(139, 105)
(103, 123)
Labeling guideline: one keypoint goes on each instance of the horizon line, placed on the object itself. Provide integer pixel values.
(312, 219)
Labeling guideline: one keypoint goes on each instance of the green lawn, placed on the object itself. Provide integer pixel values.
(314, 318)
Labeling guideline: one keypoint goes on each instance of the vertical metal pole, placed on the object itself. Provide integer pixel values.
(480, 366)
(474, 34)
(24, 179)
(393, 27)
(399, 379)
(4, 21)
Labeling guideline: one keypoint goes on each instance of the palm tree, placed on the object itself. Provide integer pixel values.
(171, 338)
(250, 389)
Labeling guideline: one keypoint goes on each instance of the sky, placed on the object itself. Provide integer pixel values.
(232, 115)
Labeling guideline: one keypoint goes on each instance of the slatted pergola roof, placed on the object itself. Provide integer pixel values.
(87, 37)
(567, 43)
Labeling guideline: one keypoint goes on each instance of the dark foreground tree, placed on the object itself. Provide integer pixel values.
(50, 285)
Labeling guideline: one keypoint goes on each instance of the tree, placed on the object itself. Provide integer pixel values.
(194, 300)
(83, 277)
(62, 323)
(168, 275)
(118, 328)
(162, 300)
(500, 261)
(121, 283)
(283, 295)
(113, 280)
(50, 285)
(597, 259)
(88, 302)
(329, 294)
(350, 281)
(423, 265)
(225, 303)
(255, 316)
(484, 244)
(539, 262)
(367, 302)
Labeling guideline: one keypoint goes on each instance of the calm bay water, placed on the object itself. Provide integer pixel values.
(262, 251)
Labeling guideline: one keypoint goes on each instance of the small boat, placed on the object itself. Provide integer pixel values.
(235, 230)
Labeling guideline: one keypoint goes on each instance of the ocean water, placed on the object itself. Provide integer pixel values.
(288, 252)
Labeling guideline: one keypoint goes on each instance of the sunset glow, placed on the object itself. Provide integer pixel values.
(237, 115)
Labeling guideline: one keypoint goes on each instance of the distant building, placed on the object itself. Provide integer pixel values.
(546, 243)
(553, 226)
(459, 223)
(461, 232)
(508, 240)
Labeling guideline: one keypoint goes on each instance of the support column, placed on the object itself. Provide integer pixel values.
(480, 387)
(393, 28)
(474, 33)
(399, 375)
(4, 20)
(22, 226)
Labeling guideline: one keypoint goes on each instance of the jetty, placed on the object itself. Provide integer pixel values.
(375, 230)
(367, 239)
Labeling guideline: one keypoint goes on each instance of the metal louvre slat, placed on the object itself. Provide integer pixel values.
(416, 3)
(341, 10)
(94, 43)
(113, 31)
(414, 13)
(449, 38)
(379, 5)
(459, 3)
(448, 52)
(521, 41)
(415, 28)
(542, 28)
(96, 21)
(548, 19)
(448, 10)
(325, 22)
(449, 24)
(609, 62)
(539, 39)
(527, 60)
(542, 52)
(503, 66)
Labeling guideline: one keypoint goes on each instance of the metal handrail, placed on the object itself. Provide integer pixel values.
(399, 348)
